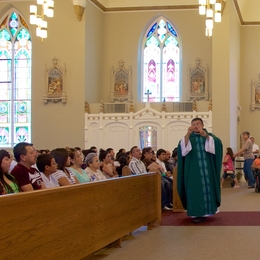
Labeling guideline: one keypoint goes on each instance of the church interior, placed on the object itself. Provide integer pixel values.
(90, 40)
(110, 31)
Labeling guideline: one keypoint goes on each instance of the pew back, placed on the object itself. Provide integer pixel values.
(73, 222)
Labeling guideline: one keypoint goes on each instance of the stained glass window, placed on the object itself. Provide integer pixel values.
(161, 63)
(15, 80)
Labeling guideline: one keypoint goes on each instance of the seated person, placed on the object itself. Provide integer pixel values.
(136, 165)
(168, 162)
(228, 165)
(93, 168)
(256, 167)
(107, 164)
(63, 175)
(8, 183)
(161, 156)
(122, 160)
(27, 177)
(46, 165)
(76, 161)
(166, 186)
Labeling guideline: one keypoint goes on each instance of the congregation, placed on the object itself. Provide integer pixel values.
(29, 169)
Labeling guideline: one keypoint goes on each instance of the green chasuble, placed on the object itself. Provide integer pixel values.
(198, 179)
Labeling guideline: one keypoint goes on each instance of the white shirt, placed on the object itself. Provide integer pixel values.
(255, 147)
(162, 164)
(209, 146)
(49, 183)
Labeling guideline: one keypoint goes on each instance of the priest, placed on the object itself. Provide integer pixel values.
(199, 169)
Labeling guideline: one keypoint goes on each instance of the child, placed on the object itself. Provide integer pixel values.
(47, 165)
(228, 166)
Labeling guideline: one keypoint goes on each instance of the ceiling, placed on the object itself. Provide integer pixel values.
(248, 10)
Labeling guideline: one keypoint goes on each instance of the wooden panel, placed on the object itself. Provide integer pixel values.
(73, 222)
(177, 205)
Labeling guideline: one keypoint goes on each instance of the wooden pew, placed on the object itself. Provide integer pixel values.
(73, 222)
(177, 204)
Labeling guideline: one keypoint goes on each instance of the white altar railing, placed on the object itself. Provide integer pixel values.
(122, 130)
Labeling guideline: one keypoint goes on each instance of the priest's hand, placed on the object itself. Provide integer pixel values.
(202, 131)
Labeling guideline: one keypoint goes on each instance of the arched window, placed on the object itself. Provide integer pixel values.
(161, 63)
(15, 80)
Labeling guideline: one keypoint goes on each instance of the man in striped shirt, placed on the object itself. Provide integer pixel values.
(136, 165)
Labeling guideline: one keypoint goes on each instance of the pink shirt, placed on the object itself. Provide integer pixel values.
(228, 166)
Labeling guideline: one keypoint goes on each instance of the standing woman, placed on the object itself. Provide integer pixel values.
(76, 163)
(8, 183)
(63, 175)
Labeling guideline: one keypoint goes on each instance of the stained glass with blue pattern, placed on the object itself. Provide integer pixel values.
(161, 63)
(15, 80)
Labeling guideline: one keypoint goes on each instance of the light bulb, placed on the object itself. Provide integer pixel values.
(218, 7)
(202, 2)
(217, 17)
(44, 29)
(202, 10)
(209, 13)
(33, 14)
(209, 23)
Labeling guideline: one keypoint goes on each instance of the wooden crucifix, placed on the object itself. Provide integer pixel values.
(148, 93)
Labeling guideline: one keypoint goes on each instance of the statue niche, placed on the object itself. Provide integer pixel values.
(255, 98)
(197, 82)
(121, 84)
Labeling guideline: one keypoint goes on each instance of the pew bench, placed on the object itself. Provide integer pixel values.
(75, 221)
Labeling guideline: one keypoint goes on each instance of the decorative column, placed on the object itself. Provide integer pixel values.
(79, 7)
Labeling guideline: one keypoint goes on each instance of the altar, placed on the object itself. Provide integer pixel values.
(147, 126)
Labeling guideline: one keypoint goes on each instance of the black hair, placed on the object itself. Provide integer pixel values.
(20, 149)
(102, 155)
(175, 152)
(5, 185)
(43, 160)
(159, 152)
(60, 155)
(197, 119)
(132, 149)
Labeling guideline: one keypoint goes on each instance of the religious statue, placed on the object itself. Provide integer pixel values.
(257, 96)
(101, 109)
(131, 107)
(210, 105)
(194, 105)
(86, 107)
(55, 85)
(121, 88)
(164, 107)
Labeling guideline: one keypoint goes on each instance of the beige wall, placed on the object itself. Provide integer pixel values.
(123, 35)
(94, 47)
(91, 47)
(250, 69)
(57, 125)
(225, 76)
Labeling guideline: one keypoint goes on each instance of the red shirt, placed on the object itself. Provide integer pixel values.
(26, 176)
